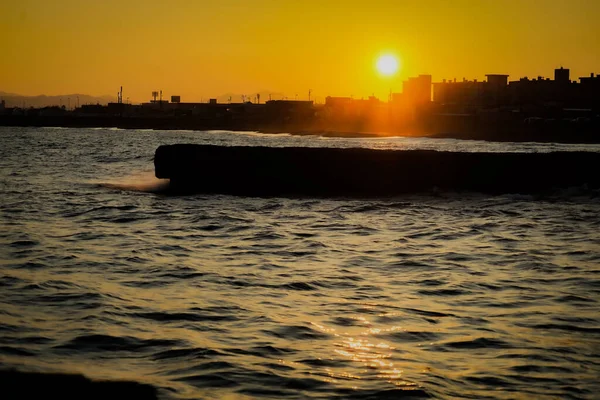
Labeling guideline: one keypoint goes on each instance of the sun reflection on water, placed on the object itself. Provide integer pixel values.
(375, 357)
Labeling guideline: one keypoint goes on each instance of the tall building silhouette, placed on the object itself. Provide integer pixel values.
(417, 90)
(561, 75)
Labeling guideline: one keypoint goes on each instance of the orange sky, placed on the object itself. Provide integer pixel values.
(205, 48)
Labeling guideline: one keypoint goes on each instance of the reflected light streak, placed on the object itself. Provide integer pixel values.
(374, 356)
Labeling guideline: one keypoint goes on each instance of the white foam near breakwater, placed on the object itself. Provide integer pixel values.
(140, 182)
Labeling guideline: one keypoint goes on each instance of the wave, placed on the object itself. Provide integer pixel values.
(137, 182)
(259, 134)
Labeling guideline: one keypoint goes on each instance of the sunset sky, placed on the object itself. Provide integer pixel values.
(205, 48)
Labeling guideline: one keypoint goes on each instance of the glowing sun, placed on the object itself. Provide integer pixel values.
(387, 65)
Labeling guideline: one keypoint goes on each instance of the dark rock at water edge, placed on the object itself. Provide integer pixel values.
(35, 385)
(301, 171)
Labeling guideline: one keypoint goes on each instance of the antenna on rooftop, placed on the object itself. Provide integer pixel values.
(309, 92)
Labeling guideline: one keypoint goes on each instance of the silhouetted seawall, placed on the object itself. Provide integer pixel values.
(301, 171)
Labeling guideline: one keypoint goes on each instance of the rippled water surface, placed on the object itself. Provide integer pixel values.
(452, 296)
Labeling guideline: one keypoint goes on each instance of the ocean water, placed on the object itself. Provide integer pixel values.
(209, 296)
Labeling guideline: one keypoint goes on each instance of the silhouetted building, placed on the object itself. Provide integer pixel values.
(288, 109)
(495, 92)
(492, 92)
(156, 104)
(337, 101)
(117, 108)
(347, 106)
(496, 81)
(50, 111)
(175, 99)
(561, 75)
(465, 93)
(290, 104)
(527, 91)
(540, 92)
(93, 109)
(589, 93)
(560, 92)
(417, 90)
(397, 98)
(590, 81)
(351, 114)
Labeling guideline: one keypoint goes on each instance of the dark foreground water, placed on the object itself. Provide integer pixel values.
(447, 296)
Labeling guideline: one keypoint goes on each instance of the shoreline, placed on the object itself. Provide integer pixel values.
(485, 132)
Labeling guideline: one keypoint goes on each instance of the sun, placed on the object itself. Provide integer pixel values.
(387, 65)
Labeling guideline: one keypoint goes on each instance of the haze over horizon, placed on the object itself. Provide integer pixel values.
(202, 49)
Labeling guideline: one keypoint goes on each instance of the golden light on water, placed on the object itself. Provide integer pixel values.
(387, 64)
(375, 356)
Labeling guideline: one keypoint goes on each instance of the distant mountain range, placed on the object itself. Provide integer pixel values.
(17, 100)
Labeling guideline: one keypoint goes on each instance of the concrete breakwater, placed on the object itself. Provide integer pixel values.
(303, 171)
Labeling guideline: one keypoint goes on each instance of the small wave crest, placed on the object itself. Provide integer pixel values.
(138, 182)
